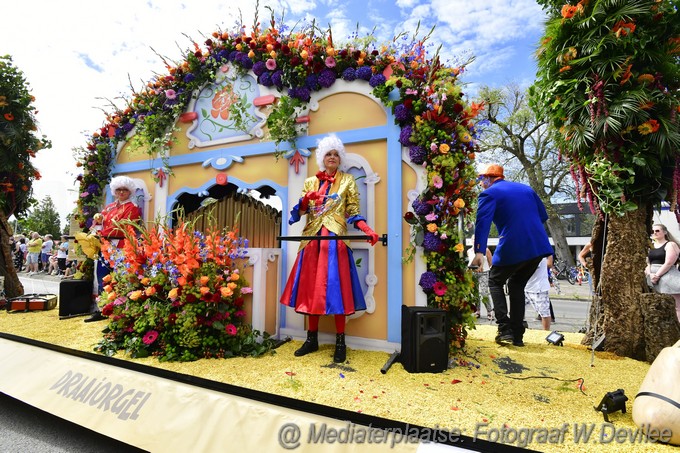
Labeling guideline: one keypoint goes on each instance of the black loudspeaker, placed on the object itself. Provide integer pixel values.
(424, 345)
(75, 298)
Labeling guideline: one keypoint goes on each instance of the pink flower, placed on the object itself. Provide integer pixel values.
(433, 147)
(439, 288)
(431, 217)
(150, 337)
(170, 94)
(330, 62)
(119, 301)
(437, 181)
(84, 194)
(271, 64)
(240, 314)
(230, 329)
(246, 290)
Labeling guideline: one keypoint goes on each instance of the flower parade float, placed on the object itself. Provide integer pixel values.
(238, 115)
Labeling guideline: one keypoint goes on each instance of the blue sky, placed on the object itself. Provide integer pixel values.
(77, 55)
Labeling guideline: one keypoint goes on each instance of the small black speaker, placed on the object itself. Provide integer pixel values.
(424, 345)
(75, 298)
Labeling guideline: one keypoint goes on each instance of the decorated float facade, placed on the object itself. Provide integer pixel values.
(230, 133)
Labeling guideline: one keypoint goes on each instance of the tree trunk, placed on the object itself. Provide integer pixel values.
(615, 310)
(556, 229)
(13, 286)
(661, 325)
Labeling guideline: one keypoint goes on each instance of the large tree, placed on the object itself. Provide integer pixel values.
(44, 219)
(18, 144)
(609, 81)
(517, 135)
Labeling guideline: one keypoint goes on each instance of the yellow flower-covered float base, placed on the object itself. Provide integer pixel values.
(489, 390)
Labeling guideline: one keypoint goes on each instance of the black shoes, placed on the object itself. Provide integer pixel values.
(519, 342)
(97, 316)
(504, 337)
(340, 353)
(311, 344)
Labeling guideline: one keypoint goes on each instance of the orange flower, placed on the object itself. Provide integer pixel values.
(444, 148)
(622, 28)
(107, 278)
(134, 295)
(172, 295)
(150, 291)
(226, 292)
(648, 127)
(459, 248)
(204, 290)
(112, 296)
(204, 280)
(626, 75)
(9, 116)
(568, 11)
(145, 281)
(234, 277)
(645, 78)
(108, 288)
(432, 227)
(565, 68)
(459, 203)
(647, 105)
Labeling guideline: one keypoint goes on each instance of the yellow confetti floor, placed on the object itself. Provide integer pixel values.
(540, 395)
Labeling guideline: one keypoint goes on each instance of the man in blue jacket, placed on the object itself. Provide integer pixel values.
(518, 214)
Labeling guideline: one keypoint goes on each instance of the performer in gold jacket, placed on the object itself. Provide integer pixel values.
(324, 279)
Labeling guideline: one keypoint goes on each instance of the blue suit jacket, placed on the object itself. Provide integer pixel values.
(518, 214)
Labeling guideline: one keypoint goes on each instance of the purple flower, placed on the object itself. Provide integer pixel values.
(233, 55)
(349, 74)
(246, 62)
(401, 113)
(277, 79)
(405, 135)
(127, 127)
(265, 79)
(326, 78)
(93, 189)
(312, 82)
(259, 68)
(431, 242)
(222, 55)
(364, 73)
(271, 64)
(417, 154)
(189, 78)
(427, 281)
(301, 93)
(420, 207)
(377, 80)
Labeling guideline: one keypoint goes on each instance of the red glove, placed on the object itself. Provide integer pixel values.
(304, 204)
(369, 232)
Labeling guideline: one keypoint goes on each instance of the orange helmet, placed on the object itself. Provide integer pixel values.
(493, 170)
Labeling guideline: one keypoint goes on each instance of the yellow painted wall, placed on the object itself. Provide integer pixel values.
(252, 170)
(347, 111)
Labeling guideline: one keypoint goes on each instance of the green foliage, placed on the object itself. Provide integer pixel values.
(609, 82)
(281, 122)
(18, 140)
(43, 219)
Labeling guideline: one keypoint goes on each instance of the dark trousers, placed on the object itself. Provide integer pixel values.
(517, 276)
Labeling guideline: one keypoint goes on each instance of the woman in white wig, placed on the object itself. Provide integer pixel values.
(121, 208)
(324, 279)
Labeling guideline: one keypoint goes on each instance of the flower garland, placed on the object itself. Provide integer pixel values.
(177, 294)
(613, 97)
(18, 142)
(436, 123)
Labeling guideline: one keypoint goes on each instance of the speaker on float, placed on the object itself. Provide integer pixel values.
(424, 345)
(75, 298)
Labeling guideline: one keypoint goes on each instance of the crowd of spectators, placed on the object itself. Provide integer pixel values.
(36, 254)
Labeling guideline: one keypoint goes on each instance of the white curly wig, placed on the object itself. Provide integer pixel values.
(328, 143)
(120, 182)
